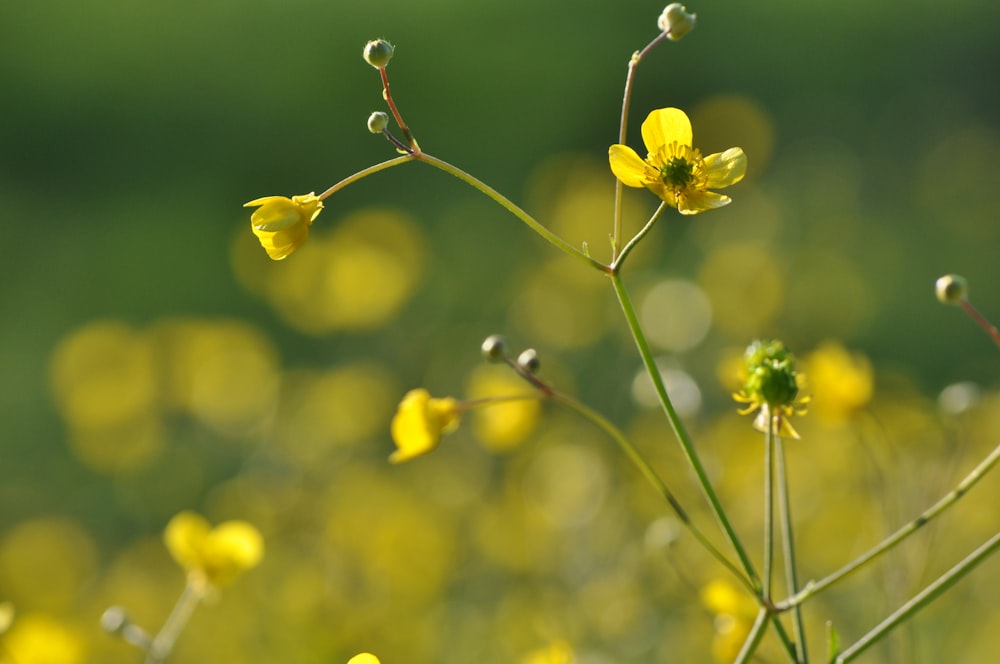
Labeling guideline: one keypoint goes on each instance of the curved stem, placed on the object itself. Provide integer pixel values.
(679, 431)
(814, 587)
(371, 170)
(652, 477)
(981, 321)
(921, 599)
(616, 263)
(623, 132)
(506, 203)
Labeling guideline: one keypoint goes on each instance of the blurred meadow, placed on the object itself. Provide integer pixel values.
(156, 361)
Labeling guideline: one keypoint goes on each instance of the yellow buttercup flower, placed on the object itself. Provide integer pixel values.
(213, 557)
(675, 171)
(420, 422)
(282, 224)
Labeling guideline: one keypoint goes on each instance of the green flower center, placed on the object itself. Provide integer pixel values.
(677, 172)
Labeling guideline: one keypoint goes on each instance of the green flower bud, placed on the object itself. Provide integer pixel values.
(377, 122)
(528, 360)
(493, 348)
(771, 376)
(378, 53)
(676, 21)
(951, 289)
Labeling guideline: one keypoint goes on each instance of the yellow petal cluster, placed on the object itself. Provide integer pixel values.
(213, 557)
(282, 224)
(419, 423)
(673, 169)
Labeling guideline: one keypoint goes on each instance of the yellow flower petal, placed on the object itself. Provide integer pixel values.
(628, 166)
(725, 168)
(419, 423)
(700, 201)
(665, 126)
(185, 537)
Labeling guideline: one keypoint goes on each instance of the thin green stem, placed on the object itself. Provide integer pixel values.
(679, 431)
(506, 203)
(768, 507)
(623, 133)
(651, 476)
(371, 170)
(754, 637)
(921, 599)
(164, 641)
(616, 263)
(788, 550)
(970, 480)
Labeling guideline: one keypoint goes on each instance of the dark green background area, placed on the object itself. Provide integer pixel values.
(131, 133)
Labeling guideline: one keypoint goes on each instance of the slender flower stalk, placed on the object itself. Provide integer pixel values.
(616, 263)
(753, 638)
(360, 175)
(921, 599)
(508, 205)
(653, 478)
(633, 63)
(970, 480)
(768, 509)
(411, 141)
(788, 544)
(163, 642)
(680, 432)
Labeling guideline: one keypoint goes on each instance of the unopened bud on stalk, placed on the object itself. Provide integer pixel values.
(951, 289)
(676, 21)
(378, 53)
(493, 348)
(114, 620)
(528, 360)
(377, 122)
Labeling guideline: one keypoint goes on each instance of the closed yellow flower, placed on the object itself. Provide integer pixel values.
(364, 658)
(673, 169)
(282, 224)
(213, 557)
(420, 422)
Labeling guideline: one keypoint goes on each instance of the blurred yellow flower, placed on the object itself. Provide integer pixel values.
(503, 421)
(282, 224)
(213, 557)
(841, 382)
(675, 171)
(420, 422)
(734, 613)
(556, 653)
(364, 658)
(40, 639)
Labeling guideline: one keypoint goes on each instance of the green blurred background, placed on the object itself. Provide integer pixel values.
(155, 361)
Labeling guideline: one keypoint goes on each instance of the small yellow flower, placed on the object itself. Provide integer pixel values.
(282, 224)
(213, 557)
(364, 658)
(420, 422)
(771, 387)
(675, 171)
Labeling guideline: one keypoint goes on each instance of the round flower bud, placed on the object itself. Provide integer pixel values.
(528, 360)
(676, 21)
(377, 122)
(951, 289)
(114, 620)
(493, 348)
(378, 53)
